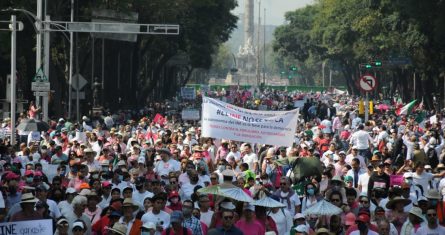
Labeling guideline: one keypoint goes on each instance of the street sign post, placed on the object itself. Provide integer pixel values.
(78, 82)
(40, 86)
(367, 84)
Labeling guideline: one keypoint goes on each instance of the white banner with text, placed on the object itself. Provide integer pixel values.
(225, 121)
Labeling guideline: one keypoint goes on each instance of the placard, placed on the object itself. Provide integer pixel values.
(190, 114)
(41, 227)
(188, 93)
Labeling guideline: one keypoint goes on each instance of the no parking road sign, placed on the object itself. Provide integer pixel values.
(368, 83)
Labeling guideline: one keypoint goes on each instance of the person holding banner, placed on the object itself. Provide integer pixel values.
(27, 213)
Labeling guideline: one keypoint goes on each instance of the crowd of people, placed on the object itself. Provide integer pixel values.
(141, 172)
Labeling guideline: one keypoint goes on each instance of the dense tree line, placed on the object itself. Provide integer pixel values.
(152, 68)
(346, 33)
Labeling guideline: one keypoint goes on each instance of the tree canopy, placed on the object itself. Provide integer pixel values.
(346, 33)
(152, 68)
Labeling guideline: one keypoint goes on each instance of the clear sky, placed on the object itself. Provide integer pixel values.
(275, 9)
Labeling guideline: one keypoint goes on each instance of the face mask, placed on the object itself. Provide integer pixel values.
(29, 179)
(186, 211)
(174, 200)
(311, 191)
(362, 226)
(121, 177)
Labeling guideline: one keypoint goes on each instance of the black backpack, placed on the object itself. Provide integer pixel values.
(433, 159)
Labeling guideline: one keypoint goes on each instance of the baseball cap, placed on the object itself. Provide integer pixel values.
(70, 190)
(78, 224)
(363, 218)
(299, 216)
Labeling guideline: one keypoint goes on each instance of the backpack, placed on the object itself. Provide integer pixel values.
(433, 159)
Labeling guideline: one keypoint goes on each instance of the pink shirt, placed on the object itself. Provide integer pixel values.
(252, 228)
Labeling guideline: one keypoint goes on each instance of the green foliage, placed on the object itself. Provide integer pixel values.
(346, 33)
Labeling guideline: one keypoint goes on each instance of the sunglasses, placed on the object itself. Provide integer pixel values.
(228, 217)
(335, 200)
(432, 215)
(212, 178)
(363, 201)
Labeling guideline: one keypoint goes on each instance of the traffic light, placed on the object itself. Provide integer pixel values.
(289, 77)
(378, 63)
(293, 68)
(368, 66)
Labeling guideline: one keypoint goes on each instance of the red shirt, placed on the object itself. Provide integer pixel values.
(180, 232)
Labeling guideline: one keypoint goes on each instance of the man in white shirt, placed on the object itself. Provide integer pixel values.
(140, 193)
(362, 140)
(432, 227)
(157, 216)
(250, 158)
(166, 165)
(288, 197)
(204, 208)
(354, 154)
(234, 153)
(189, 140)
(41, 194)
(187, 189)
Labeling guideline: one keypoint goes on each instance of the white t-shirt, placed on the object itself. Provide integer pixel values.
(422, 180)
(163, 218)
(236, 155)
(294, 201)
(250, 159)
(206, 217)
(361, 139)
(283, 220)
(53, 209)
(186, 190)
(363, 180)
(140, 197)
(164, 168)
(425, 230)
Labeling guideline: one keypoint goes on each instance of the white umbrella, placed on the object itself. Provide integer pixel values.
(323, 207)
(227, 190)
(268, 202)
(236, 194)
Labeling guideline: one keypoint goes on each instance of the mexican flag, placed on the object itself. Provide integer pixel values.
(405, 110)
